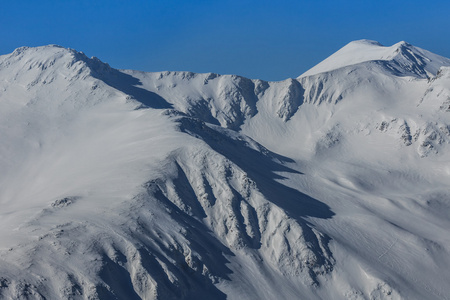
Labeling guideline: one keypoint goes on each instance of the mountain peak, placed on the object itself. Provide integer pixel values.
(33, 55)
(33, 62)
(402, 43)
(406, 58)
(365, 42)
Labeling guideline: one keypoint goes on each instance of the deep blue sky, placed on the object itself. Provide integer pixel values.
(270, 40)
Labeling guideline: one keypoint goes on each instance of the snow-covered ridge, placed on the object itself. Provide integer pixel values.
(119, 184)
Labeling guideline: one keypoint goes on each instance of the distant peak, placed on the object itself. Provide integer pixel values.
(403, 43)
(49, 57)
(51, 49)
(53, 46)
(407, 59)
(38, 48)
(41, 52)
(366, 42)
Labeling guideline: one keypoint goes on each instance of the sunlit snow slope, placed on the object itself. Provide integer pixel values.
(119, 184)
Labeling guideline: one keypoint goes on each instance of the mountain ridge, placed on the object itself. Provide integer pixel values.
(175, 185)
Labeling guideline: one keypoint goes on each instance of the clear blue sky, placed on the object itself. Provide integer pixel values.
(270, 40)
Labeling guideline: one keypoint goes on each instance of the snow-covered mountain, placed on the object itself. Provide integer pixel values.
(119, 184)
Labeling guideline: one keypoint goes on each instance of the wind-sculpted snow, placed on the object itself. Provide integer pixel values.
(120, 184)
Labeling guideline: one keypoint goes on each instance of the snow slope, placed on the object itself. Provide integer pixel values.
(119, 184)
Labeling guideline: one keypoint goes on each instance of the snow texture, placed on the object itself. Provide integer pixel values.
(120, 184)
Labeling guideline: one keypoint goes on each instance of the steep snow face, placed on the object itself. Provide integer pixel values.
(121, 184)
(402, 56)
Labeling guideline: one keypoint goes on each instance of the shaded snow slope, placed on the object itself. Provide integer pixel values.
(119, 184)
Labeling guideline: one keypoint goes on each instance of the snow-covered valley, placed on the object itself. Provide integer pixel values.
(121, 184)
